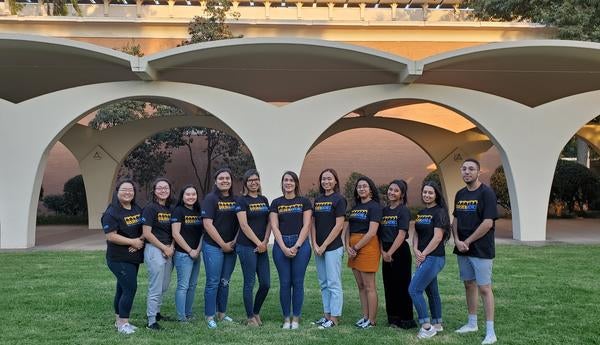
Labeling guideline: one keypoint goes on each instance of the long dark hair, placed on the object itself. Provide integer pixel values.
(196, 205)
(372, 187)
(336, 188)
(296, 182)
(169, 200)
(247, 175)
(403, 189)
(441, 202)
(115, 198)
(216, 189)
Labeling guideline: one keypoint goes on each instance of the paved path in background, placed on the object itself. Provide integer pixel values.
(77, 237)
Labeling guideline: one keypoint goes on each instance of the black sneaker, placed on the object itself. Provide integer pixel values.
(154, 327)
(166, 318)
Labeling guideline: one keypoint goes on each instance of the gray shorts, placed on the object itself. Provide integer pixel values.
(474, 268)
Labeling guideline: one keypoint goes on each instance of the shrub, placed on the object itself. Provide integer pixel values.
(575, 185)
(500, 187)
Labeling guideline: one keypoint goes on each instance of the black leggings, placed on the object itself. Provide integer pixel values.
(126, 274)
(396, 279)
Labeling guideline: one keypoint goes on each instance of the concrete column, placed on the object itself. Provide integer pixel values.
(106, 7)
(393, 7)
(42, 9)
(425, 8)
(362, 6)
(330, 5)
(202, 6)
(299, 10)
(235, 5)
(171, 4)
(267, 9)
(138, 8)
(583, 153)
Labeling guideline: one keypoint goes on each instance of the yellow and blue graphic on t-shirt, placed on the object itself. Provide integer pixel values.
(467, 205)
(424, 219)
(324, 206)
(292, 208)
(134, 219)
(391, 221)
(359, 214)
(226, 206)
(259, 207)
(163, 217)
(192, 220)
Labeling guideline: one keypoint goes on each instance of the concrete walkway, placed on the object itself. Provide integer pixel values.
(77, 237)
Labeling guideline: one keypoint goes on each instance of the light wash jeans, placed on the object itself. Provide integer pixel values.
(425, 279)
(219, 267)
(187, 279)
(329, 272)
(159, 277)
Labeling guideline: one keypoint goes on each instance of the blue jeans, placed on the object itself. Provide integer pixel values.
(126, 273)
(329, 272)
(291, 275)
(219, 267)
(425, 279)
(254, 264)
(159, 277)
(187, 279)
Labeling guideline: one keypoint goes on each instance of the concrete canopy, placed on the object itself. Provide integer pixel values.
(528, 72)
(31, 66)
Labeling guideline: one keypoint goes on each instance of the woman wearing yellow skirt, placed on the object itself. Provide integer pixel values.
(362, 246)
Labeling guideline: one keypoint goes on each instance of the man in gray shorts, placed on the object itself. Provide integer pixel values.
(473, 231)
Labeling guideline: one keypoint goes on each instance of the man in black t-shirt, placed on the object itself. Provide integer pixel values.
(473, 232)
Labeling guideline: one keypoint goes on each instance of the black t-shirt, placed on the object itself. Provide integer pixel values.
(427, 220)
(191, 226)
(327, 209)
(290, 213)
(222, 210)
(159, 218)
(471, 208)
(257, 215)
(393, 220)
(127, 223)
(361, 215)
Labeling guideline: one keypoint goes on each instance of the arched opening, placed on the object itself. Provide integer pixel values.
(143, 138)
(574, 205)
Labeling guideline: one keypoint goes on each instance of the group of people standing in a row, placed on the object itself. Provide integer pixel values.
(167, 233)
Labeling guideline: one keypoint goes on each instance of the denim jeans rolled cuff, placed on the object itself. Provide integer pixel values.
(219, 267)
(425, 280)
(187, 279)
(329, 269)
(159, 277)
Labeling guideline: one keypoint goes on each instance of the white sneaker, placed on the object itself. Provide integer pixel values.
(467, 329)
(426, 333)
(489, 339)
(294, 325)
(327, 324)
(126, 329)
(360, 322)
(227, 319)
(286, 325)
(439, 328)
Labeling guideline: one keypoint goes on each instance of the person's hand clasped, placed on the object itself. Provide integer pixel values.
(386, 257)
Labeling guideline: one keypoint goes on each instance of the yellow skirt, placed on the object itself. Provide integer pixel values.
(368, 256)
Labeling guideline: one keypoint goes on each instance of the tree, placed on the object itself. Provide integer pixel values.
(212, 26)
(55, 203)
(573, 19)
(575, 185)
(75, 201)
(433, 176)
(500, 187)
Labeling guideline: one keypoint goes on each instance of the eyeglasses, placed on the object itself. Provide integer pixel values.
(253, 180)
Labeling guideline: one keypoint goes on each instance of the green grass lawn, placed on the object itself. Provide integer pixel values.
(544, 295)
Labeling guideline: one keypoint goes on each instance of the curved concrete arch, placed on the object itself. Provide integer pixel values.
(61, 113)
(101, 153)
(439, 144)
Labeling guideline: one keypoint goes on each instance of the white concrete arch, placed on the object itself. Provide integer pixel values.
(439, 144)
(101, 153)
(22, 183)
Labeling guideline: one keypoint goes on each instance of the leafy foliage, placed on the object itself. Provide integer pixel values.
(573, 19)
(500, 187)
(14, 7)
(73, 200)
(212, 26)
(432, 176)
(55, 203)
(575, 185)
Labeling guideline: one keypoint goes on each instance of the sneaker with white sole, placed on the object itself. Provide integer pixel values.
(467, 329)
(426, 333)
(320, 321)
(366, 325)
(286, 325)
(212, 324)
(327, 324)
(439, 328)
(489, 339)
(294, 325)
(227, 319)
(360, 321)
(126, 329)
